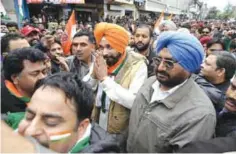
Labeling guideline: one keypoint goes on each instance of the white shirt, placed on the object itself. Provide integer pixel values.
(158, 94)
(117, 93)
(87, 77)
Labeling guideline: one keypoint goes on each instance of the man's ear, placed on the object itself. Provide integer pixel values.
(82, 127)
(221, 72)
(15, 79)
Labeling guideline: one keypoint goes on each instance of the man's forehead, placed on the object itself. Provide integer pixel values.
(104, 42)
(55, 103)
(165, 53)
(211, 58)
(142, 30)
(80, 39)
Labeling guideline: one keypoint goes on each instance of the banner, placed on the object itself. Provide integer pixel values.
(57, 1)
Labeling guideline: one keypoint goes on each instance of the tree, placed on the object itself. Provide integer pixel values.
(228, 12)
(213, 13)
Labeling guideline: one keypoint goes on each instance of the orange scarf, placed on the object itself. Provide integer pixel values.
(12, 89)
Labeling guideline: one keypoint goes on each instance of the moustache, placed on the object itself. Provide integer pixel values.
(107, 57)
(163, 73)
(140, 43)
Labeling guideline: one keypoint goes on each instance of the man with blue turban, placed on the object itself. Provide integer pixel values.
(171, 110)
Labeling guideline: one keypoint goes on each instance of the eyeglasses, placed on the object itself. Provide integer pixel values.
(169, 64)
(212, 50)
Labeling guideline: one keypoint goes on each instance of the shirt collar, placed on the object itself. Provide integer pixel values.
(166, 100)
(156, 85)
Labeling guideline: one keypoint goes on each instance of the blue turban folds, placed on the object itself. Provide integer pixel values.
(185, 48)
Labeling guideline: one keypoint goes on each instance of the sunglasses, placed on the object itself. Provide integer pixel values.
(169, 64)
(212, 50)
(205, 32)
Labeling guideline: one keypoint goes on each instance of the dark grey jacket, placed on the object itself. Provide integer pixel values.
(216, 145)
(184, 116)
(77, 66)
(101, 141)
(216, 96)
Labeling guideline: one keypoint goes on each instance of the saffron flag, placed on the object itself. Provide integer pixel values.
(70, 31)
(170, 17)
(160, 19)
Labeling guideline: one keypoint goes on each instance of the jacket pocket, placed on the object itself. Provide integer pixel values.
(118, 122)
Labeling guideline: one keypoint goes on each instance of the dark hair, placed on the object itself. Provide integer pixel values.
(12, 24)
(186, 25)
(6, 39)
(85, 33)
(13, 62)
(57, 42)
(3, 23)
(201, 29)
(74, 88)
(145, 26)
(216, 41)
(227, 61)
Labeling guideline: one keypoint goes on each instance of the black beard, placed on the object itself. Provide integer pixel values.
(112, 60)
(33, 42)
(142, 48)
(170, 82)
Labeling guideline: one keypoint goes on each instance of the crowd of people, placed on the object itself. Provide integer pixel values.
(126, 86)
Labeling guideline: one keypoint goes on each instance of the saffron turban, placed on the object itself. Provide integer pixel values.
(185, 48)
(117, 36)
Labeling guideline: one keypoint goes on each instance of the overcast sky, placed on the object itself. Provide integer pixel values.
(220, 4)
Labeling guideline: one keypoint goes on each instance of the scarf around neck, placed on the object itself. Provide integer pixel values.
(115, 68)
(12, 89)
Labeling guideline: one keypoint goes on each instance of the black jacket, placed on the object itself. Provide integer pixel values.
(55, 67)
(217, 97)
(223, 86)
(9, 102)
(101, 141)
(150, 63)
(226, 125)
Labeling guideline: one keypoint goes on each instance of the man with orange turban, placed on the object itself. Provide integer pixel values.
(117, 75)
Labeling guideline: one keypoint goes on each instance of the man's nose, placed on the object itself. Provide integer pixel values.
(33, 129)
(161, 66)
(105, 51)
(42, 75)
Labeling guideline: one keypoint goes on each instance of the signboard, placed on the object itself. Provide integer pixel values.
(56, 1)
(125, 1)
